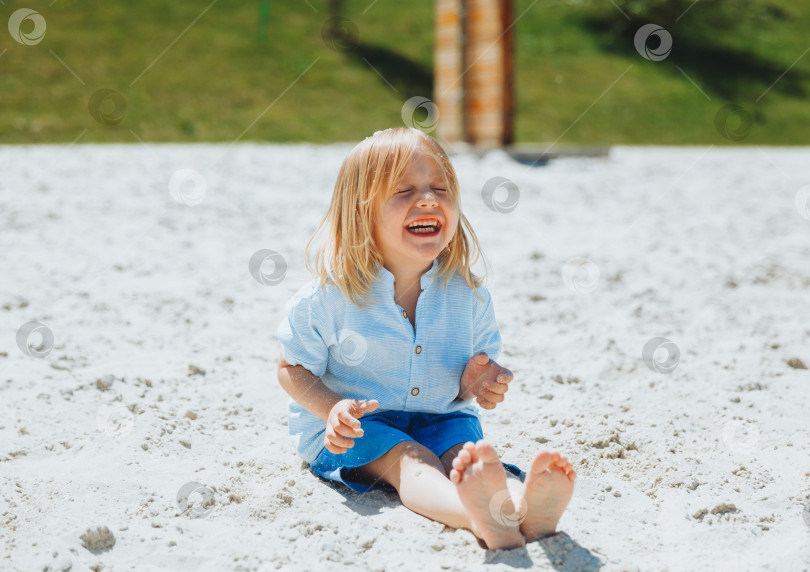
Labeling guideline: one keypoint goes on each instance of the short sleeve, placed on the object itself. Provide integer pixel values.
(486, 336)
(302, 337)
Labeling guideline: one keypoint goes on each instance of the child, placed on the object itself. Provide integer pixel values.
(381, 338)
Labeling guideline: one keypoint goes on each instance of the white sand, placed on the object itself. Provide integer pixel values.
(703, 247)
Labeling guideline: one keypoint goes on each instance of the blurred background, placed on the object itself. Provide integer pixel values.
(271, 71)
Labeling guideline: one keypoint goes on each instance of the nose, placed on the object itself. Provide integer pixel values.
(427, 197)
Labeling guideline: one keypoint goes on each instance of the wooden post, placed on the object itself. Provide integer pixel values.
(474, 71)
(508, 43)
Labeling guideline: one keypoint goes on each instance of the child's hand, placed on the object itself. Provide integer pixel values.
(485, 379)
(342, 423)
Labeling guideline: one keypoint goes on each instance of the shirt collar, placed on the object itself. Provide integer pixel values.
(387, 278)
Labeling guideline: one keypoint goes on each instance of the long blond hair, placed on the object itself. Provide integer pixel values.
(348, 257)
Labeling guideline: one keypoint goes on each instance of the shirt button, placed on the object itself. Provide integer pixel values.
(418, 349)
(415, 391)
(404, 315)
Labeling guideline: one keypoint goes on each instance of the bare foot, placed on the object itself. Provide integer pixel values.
(480, 479)
(549, 486)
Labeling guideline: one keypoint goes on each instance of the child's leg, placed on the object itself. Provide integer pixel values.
(420, 479)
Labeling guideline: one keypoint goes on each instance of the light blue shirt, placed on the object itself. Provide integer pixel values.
(374, 352)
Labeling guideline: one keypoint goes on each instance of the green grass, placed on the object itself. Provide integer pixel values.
(216, 79)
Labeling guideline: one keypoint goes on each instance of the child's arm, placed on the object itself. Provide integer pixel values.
(340, 414)
(306, 389)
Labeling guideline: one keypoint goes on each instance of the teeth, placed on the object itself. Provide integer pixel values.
(425, 223)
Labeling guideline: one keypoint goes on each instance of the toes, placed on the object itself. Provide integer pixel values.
(541, 462)
(486, 453)
(455, 477)
(563, 463)
(458, 464)
(465, 456)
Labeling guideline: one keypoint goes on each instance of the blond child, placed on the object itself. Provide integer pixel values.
(384, 353)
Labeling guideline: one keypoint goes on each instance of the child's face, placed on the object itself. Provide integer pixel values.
(420, 194)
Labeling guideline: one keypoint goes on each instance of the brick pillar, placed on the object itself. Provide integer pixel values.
(472, 39)
(448, 66)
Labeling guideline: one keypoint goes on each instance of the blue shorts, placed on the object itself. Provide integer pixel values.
(383, 430)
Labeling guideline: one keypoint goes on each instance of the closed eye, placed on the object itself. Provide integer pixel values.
(433, 188)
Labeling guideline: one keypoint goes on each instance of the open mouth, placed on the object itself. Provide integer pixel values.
(426, 229)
